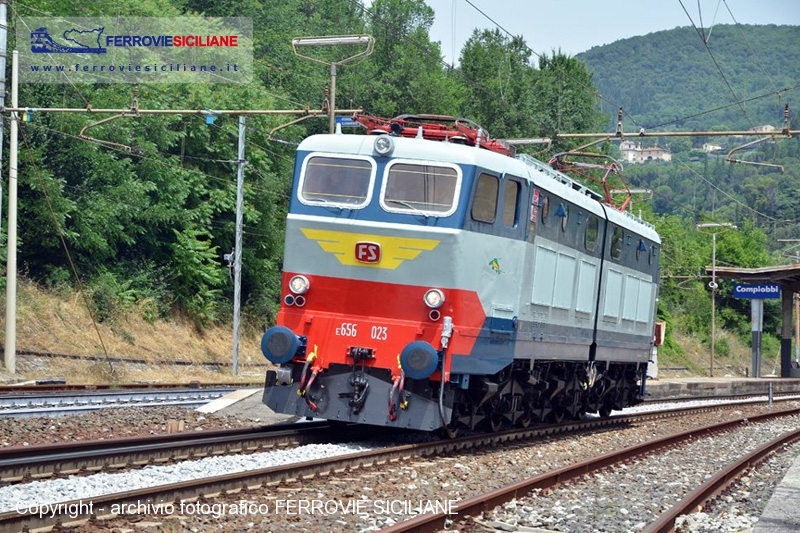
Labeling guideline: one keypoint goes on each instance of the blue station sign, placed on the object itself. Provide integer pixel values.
(347, 122)
(757, 290)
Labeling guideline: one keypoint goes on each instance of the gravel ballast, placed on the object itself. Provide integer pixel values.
(381, 496)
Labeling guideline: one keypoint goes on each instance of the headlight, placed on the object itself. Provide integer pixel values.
(298, 284)
(434, 298)
(384, 145)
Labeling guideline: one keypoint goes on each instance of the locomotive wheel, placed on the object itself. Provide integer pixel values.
(497, 422)
(524, 421)
(557, 414)
(540, 413)
(605, 411)
(460, 421)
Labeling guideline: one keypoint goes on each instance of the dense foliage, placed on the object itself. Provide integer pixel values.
(728, 77)
(145, 218)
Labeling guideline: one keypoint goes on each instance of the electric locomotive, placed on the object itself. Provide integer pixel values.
(432, 280)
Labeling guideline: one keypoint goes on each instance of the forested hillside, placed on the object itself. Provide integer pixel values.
(142, 220)
(727, 78)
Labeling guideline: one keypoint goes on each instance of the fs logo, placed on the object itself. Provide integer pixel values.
(80, 42)
(368, 252)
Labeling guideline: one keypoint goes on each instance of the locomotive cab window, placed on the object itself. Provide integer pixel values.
(484, 205)
(336, 180)
(420, 188)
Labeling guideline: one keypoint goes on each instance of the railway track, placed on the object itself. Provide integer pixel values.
(244, 482)
(472, 509)
(49, 386)
(28, 463)
(36, 404)
(22, 464)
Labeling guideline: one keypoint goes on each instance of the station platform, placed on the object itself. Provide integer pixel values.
(724, 386)
(781, 514)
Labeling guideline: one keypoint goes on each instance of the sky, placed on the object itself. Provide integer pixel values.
(574, 26)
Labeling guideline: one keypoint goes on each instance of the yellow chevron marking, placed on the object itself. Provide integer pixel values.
(394, 250)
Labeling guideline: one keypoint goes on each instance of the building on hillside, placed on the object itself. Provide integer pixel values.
(710, 148)
(634, 153)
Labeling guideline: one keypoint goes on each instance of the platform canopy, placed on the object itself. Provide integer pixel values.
(788, 277)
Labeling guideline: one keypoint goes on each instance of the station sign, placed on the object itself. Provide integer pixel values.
(757, 290)
(347, 122)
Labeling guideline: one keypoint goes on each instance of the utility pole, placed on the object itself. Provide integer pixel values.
(8, 356)
(3, 54)
(237, 247)
(713, 286)
(10, 348)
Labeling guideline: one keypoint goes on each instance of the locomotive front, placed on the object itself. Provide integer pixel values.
(369, 297)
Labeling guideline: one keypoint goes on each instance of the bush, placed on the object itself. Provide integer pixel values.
(109, 298)
(144, 291)
(722, 347)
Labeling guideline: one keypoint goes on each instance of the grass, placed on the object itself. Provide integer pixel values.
(61, 323)
(693, 358)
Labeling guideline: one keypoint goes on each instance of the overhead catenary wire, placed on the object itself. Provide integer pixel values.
(758, 61)
(704, 39)
(376, 19)
(66, 250)
(166, 159)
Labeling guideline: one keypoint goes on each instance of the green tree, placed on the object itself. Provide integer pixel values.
(404, 74)
(501, 83)
(565, 96)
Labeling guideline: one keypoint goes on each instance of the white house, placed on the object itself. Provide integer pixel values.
(634, 153)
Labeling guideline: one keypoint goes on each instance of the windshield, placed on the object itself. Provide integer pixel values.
(336, 180)
(420, 188)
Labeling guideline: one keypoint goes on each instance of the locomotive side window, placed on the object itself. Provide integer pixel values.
(484, 205)
(651, 255)
(545, 209)
(616, 243)
(640, 249)
(511, 204)
(414, 187)
(336, 180)
(592, 230)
